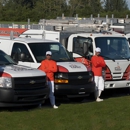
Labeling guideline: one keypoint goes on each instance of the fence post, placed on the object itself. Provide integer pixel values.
(91, 17)
(111, 22)
(12, 25)
(28, 23)
(62, 15)
(127, 16)
(43, 24)
(112, 16)
(76, 16)
(98, 16)
(11, 35)
(106, 18)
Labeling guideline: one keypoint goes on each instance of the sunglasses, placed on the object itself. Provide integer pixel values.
(48, 55)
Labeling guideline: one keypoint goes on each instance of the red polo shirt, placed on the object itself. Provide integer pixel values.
(49, 67)
(97, 64)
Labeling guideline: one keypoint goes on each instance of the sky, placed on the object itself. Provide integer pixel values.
(128, 1)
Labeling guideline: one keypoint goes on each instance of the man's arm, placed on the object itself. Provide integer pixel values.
(54, 68)
(95, 63)
(103, 64)
(44, 68)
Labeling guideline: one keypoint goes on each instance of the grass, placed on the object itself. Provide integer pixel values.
(112, 114)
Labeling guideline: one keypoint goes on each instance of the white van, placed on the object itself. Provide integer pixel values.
(20, 85)
(73, 79)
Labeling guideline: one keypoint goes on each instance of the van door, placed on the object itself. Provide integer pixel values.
(75, 45)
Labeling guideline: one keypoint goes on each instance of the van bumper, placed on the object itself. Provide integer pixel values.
(74, 90)
(117, 84)
(12, 98)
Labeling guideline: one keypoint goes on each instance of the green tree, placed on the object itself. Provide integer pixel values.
(115, 5)
(14, 10)
(84, 7)
(27, 3)
(49, 8)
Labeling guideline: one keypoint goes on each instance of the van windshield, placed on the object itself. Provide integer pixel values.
(113, 47)
(5, 59)
(59, 53)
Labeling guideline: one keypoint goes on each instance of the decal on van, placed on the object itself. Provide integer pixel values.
(7, 31)
(16, 68)
(74, 66)
(118, 68)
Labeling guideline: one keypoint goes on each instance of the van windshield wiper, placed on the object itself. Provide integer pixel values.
(108, 58)
(124, 57)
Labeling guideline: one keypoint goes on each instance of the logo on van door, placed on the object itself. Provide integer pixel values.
(32, 82)
(80, 77)
(118, 68)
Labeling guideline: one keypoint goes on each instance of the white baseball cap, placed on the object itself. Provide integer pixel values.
(48, 53)
(98, 49)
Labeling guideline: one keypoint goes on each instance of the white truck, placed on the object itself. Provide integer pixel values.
(73, 79)
(115, 51)
(20, 85)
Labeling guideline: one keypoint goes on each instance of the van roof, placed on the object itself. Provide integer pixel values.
(32, 40)
(33, 31)
(27, 40)
(101, 35)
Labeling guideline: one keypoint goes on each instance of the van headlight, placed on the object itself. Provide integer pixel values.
(61, 78)
(5, 82)
(90, 73)
(91, 79)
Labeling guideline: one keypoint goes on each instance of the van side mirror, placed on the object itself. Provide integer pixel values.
(85, 48)
(22, 56)
(71, 53)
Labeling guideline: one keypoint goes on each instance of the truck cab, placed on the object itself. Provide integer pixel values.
(73, 79)
(115, 51)
(20, 85)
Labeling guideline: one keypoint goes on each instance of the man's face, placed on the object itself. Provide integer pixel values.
(48, 57)
(97, 53)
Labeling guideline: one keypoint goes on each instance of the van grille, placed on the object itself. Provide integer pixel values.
(29, 83)
(79, 78)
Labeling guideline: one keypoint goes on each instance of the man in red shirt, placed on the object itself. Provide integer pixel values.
(49, 67)
(97, 64)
